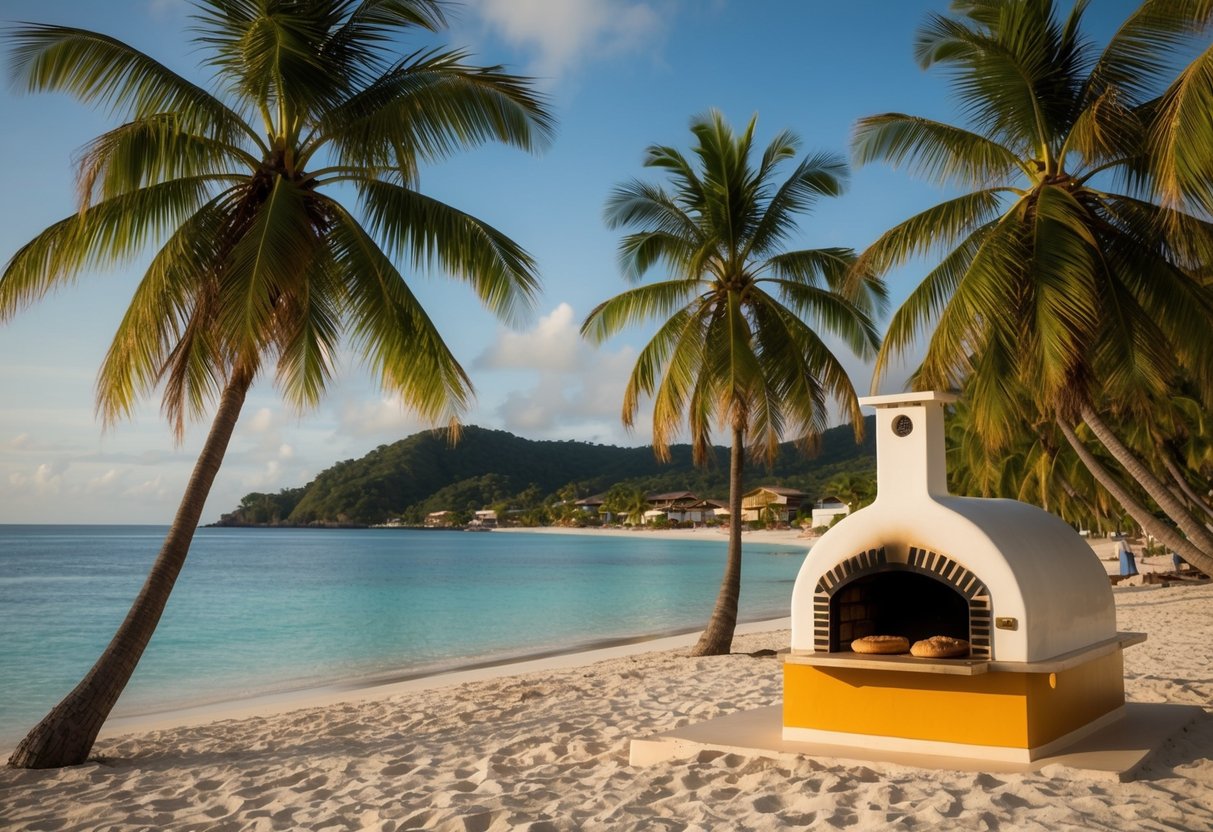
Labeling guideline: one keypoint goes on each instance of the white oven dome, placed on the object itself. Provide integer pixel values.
(1036, 590)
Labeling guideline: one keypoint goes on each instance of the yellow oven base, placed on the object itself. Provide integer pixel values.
(999, 715)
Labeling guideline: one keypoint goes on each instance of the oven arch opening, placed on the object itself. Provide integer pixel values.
(829, 634)
(896, 602)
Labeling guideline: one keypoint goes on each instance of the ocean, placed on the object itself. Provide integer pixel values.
(264, 610)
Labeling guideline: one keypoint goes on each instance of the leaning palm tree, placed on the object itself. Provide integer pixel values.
(1060, 272)
(260, 267)
(735, 348)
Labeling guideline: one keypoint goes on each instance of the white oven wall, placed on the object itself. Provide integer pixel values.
(1038, 570)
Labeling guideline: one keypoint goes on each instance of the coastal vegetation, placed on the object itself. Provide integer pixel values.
(261, 267)
(1072, 292)
(495, 469)
(739, 344)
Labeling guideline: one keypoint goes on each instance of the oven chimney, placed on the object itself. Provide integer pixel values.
(911, 461)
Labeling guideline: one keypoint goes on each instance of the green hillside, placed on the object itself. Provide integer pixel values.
(489, 467)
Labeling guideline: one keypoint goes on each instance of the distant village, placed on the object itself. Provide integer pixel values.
(766, 506)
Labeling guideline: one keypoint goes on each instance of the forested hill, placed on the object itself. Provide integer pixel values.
(489, 467)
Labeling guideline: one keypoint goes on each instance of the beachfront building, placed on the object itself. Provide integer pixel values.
(679, 507)
(484, 519)
(592, 507)
(439, 519)
(827, 509)
(671, 505)
(771, 503)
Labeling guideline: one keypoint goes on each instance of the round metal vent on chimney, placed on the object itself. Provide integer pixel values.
(902, 425)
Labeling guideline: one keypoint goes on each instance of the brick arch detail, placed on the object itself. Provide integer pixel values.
(923, 561)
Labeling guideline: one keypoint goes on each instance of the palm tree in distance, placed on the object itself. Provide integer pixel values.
(1063, 282)
(259, 266)
(734, 347)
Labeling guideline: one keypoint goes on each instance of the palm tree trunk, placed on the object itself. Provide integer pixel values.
(1159, 493)
(65, 736)
(717, 637)
(1184, 486)
(1164, 533)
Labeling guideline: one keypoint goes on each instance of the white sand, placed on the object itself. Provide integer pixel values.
(548, 749)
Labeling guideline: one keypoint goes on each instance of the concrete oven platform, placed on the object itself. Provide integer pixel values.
(1115, 752)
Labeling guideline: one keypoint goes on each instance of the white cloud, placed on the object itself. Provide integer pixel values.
(566, 32)
(161, 9)
(267, 479)
(19, 442)
(148, 488)
(48, 477)
(385, 419)
(103, 482)
(554, 344)
(576, 390)
(262, 421)
(285, 451)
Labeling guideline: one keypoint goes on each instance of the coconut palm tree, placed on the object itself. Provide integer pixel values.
(734, 347)
(280, 205)
(1060, 274)
(856, 490)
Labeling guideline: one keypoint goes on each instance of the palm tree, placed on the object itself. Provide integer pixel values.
(1060, 274)
(856, 490)
(259, 263)
(734, 347)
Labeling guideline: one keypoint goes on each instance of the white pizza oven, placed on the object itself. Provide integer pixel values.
(1017, 583)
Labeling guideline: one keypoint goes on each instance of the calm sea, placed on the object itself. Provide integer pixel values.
(262, 610)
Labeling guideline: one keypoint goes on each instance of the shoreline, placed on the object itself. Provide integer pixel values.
(784, 537)
(385, 685)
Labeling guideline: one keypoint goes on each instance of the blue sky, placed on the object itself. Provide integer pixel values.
(620, 75)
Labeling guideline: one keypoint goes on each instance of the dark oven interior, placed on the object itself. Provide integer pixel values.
(896, 602)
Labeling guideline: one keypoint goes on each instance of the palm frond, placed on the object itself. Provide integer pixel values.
(1066, 298)
(178, 287)
(1138, 57)
(830, 312)
(266, 264)
(307, 330)
(391, 329)
(269, 54)
(108, 232)
(637, 305)
(822, 174)
(640, 252)
(152, 150)
(427, 107)
(1183, 152)
(676, 353)
(936, 229)
(939, 152)
(103, 71)
(425, 231)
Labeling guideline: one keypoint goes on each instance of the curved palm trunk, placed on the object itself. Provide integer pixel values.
(1164, 533)
(1184, 486)
(717, 637)
(65, 736)
(1159, 493)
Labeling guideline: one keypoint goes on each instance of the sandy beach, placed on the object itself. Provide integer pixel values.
(544, 745)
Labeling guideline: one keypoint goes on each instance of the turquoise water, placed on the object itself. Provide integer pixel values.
(261, 610)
